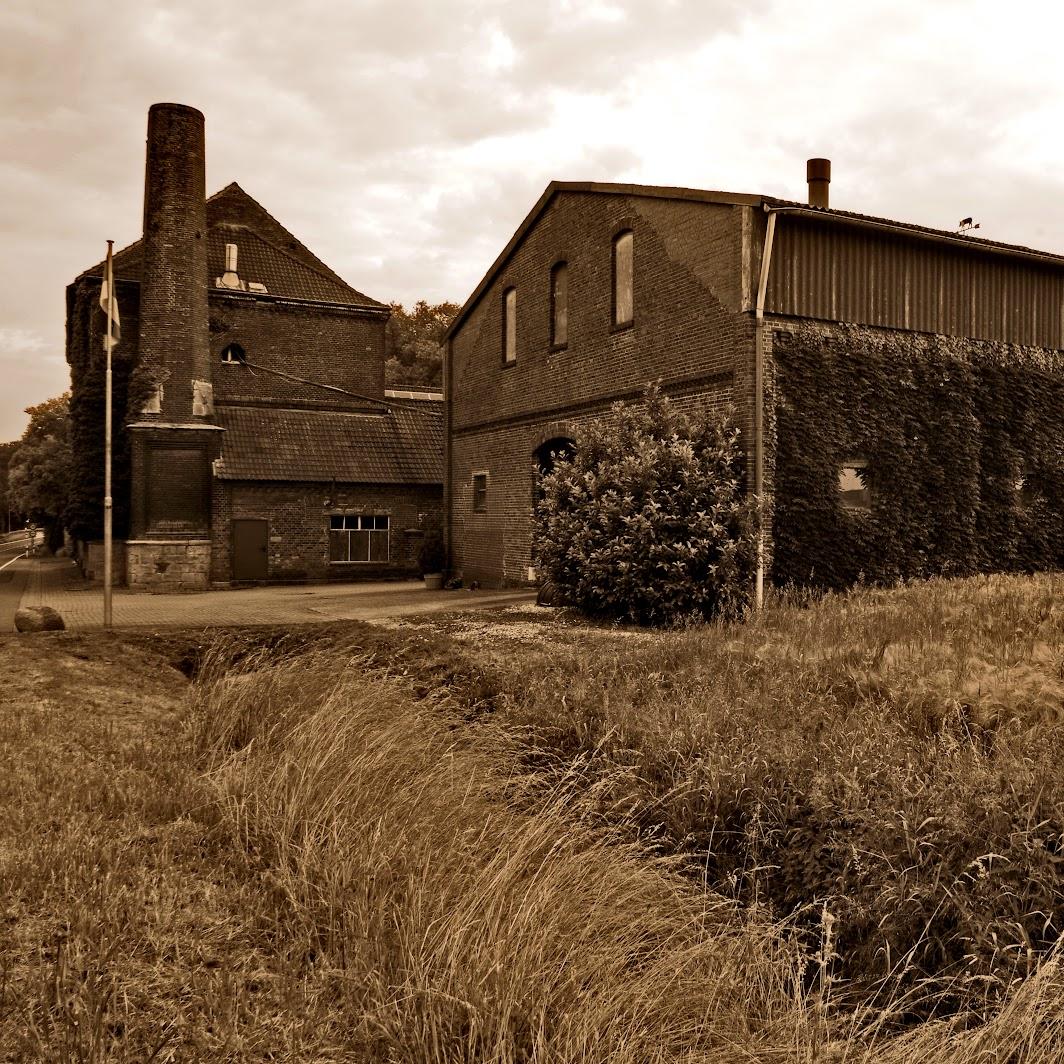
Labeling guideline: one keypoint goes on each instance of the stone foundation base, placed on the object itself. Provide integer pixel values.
(90, 557)
(166, 565)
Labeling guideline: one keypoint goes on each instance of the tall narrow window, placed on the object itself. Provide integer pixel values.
(559, 305)
(509, 325)
(623, 303)
(480, 493)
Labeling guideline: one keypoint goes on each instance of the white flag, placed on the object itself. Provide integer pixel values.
(109, 302)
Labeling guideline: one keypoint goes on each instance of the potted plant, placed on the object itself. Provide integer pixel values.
(431, 560)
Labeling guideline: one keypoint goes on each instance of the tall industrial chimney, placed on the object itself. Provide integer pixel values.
(173, 441)
(818, 174)
(174, 334)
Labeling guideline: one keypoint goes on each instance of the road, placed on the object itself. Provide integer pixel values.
(13, 577)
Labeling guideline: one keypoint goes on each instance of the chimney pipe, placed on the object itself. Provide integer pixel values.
(818, 174)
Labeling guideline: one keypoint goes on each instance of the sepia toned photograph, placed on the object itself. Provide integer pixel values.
(531, 534)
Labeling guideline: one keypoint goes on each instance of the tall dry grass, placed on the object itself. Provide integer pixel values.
(890, 754)
(464, 913)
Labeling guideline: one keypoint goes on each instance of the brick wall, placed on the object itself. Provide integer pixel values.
(692, 330)
(495, 547)
(298, 517)
(344, 349)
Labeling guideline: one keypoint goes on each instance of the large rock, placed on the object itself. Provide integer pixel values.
(38, 619)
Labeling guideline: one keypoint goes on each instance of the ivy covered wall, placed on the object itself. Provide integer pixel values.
(88, 363)
(964, 445)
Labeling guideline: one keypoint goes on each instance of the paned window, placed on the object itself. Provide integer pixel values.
(480, 493)
(358, 538)
(559, 304)
(623, 299)
(854, 493)
(509, 325)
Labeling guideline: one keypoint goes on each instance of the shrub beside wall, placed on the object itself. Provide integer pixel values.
(647, 522)
(949, 427)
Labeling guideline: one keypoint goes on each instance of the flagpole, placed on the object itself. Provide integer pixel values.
(108, 342)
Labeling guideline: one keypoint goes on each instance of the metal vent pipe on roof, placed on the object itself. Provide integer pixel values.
(818, 174)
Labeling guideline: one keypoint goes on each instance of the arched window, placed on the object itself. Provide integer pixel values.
(545, 457)
(623, 261)
(233, 354)
(559, 305)
(509, 326)
(548, 454)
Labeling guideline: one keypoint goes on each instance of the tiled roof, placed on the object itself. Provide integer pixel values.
(403, 446)
(267, 253)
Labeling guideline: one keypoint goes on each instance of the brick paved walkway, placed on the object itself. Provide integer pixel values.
(57, 582)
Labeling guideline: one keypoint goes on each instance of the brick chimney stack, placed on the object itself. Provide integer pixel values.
(174, 333)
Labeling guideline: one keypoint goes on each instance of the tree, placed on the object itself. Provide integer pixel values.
(39, 473)
(6, 503)
(647, 521)
(412, 344)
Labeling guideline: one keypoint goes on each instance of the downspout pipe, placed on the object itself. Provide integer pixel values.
(759, 404)
(448, 486)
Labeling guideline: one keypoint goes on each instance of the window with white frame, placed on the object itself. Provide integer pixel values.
(358, 538)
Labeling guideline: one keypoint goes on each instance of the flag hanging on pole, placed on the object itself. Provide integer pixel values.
(109, 303)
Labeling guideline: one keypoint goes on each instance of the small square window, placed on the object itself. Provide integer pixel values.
(854, 493)
(480, 493)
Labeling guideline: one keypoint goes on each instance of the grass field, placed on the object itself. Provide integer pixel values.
(835, 833)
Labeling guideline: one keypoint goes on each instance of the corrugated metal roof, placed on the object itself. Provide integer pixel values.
(403, 446)
(821, 269)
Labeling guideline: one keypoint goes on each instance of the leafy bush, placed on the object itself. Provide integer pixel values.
(647, 521)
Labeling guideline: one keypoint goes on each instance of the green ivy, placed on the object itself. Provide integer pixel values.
(947, 426)
(88, 364)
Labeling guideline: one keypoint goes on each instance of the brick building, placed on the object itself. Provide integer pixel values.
(606, 287)
(256, 438)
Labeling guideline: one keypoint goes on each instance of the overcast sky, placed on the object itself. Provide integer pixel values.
(404, 141)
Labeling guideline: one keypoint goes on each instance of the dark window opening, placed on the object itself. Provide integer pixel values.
(559, 305)
(547, 456)
(234, 354)
(509, 326)
(854, 492)
(623, 268)
(480, 493)
(1026, 487)
(558, 449)
(358, 538)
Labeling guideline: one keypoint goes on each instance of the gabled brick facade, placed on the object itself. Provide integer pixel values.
(706, 307)
(249, 388)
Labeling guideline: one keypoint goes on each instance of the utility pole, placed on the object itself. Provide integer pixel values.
(109, 295)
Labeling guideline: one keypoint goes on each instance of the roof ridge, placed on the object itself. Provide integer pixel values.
(321, 266)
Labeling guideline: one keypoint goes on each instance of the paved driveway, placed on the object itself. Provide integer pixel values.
(56, 582)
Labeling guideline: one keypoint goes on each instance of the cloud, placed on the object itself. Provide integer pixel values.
(404, 140)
